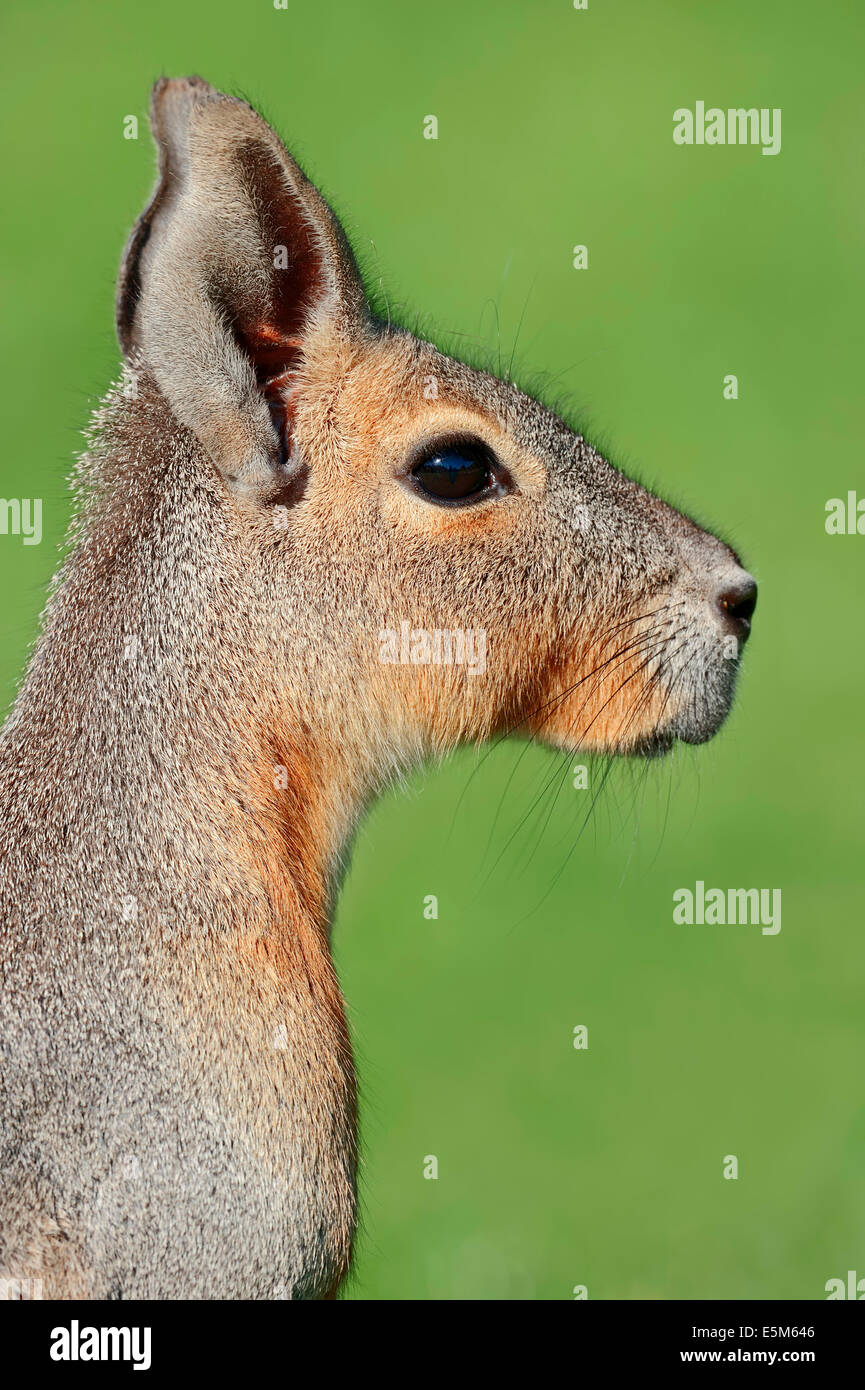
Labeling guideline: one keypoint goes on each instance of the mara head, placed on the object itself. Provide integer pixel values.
(432, 555)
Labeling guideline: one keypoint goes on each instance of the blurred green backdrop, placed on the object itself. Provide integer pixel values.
(556, 1167)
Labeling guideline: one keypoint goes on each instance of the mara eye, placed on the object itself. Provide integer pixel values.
(459, 472)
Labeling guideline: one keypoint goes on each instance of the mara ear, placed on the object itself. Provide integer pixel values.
(234, 258)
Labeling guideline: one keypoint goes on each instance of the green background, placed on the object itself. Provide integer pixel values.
(556, 1167)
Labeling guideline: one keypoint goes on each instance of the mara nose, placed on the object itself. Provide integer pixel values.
(737, 601)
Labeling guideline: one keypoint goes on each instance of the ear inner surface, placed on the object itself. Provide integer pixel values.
(222, 272)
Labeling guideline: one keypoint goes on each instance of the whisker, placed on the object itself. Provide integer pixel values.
(572, 753)
(554, 701)
(637, 706)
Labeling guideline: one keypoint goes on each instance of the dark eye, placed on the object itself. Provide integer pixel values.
(459, 472)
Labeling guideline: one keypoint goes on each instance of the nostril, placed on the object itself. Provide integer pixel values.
(739, 600)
